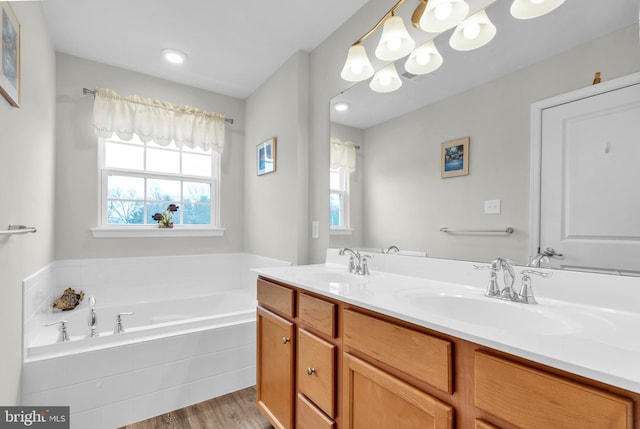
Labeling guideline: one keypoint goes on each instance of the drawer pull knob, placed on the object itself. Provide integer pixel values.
(310, 371)
(285, 340)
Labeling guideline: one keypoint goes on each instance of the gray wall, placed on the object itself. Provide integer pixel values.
(77, 163)
(26, 186)
(276, 204)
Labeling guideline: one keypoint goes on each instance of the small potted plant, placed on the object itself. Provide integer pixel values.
(165, 219)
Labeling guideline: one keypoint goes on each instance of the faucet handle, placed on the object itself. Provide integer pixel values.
(63, 337)
(119, 328)
(364, 265)
(526, 291)
(92, 302)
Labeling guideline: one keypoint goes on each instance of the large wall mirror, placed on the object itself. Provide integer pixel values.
(396, 195)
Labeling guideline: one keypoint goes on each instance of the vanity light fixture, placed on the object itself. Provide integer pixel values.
(441, 15)
(432, 16)
(174, 56)
(424, 59)
(528, 9)
(357, 67)
(473, 32)
(386, 79)
(395, 41)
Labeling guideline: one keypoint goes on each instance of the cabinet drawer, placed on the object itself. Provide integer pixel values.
(276, 297)
(531, 398)
(374, 399)
(481, 424)
(318, 314)
(309, 417)
(317, 371)
(415, 353)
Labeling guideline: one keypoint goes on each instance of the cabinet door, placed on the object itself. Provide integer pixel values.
(275, 368)
(374, 399)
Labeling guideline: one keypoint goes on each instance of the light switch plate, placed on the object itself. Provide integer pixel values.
(315, 229)
(491, 206)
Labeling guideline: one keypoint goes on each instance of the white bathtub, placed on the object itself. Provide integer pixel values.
(192, 337)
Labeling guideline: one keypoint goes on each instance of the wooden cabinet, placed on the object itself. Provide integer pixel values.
(530, 398)
(275, 369)
(374, 399)
(326, 364)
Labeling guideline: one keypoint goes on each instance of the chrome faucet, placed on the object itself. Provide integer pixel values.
(361, 267)
(507, 293)
(93, 318)
(63, 336)
(391, 248)
(543, 257)
(119, 328)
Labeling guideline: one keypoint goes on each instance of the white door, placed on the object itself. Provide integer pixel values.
(590, 181)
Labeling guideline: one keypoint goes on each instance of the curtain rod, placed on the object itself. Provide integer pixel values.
(87, 91)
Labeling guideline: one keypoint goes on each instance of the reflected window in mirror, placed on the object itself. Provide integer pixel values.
(339, 198)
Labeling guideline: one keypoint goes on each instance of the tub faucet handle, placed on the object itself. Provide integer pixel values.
(63, 337)
(119, 328)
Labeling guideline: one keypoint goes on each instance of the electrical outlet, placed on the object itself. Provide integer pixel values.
(491, 206)
(315, 229)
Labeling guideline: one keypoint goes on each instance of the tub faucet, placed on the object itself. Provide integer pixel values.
(93, 318)
(63, 336)
(119, 328)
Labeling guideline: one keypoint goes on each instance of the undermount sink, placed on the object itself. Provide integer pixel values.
(492, 313)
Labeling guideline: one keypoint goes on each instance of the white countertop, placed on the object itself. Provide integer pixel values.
(576, 325)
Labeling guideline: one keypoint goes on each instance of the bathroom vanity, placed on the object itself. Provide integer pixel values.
(336, 350)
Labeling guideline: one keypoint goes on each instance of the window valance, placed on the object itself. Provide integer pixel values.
(343, 155)
(156, 120)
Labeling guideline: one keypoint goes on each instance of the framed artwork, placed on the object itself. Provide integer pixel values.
(9, 55)
(454, 158)
(266, 156)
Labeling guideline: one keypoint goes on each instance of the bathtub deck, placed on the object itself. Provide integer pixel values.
(235, 410)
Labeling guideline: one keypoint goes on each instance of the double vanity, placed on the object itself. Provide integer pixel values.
(418, 344)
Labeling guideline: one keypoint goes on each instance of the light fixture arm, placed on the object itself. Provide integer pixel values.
(391, 12)
(417, 14)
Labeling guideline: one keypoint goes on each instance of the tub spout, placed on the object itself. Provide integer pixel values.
(93, 318)
(119, 328)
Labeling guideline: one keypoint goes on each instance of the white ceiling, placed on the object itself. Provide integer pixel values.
(233, 46)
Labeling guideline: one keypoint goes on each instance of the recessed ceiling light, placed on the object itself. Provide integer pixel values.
(174, 56)
(341, 106)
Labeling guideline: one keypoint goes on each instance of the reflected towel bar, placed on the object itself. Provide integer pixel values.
(507, 230)
(18, 229)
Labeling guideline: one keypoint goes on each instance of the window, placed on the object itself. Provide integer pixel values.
(339, 198)
(140, 179)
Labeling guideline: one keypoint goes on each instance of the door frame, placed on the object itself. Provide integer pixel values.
(537, 109)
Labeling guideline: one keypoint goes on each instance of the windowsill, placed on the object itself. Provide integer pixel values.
(154, 231)
(341, 231)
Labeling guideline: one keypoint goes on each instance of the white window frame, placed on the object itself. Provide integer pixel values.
(344, 193)
(105, 230)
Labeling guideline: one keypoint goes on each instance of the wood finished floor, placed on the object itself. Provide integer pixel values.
(236, 410)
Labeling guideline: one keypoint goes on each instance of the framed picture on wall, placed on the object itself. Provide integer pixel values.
(9, 55)
(454, 158)
(266, 156)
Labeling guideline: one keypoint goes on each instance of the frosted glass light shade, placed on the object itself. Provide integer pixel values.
(386, 79)
(441, 15)
(473, 32)
(424, 59)
(528, 9)
(357, 67)
(395, 41)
